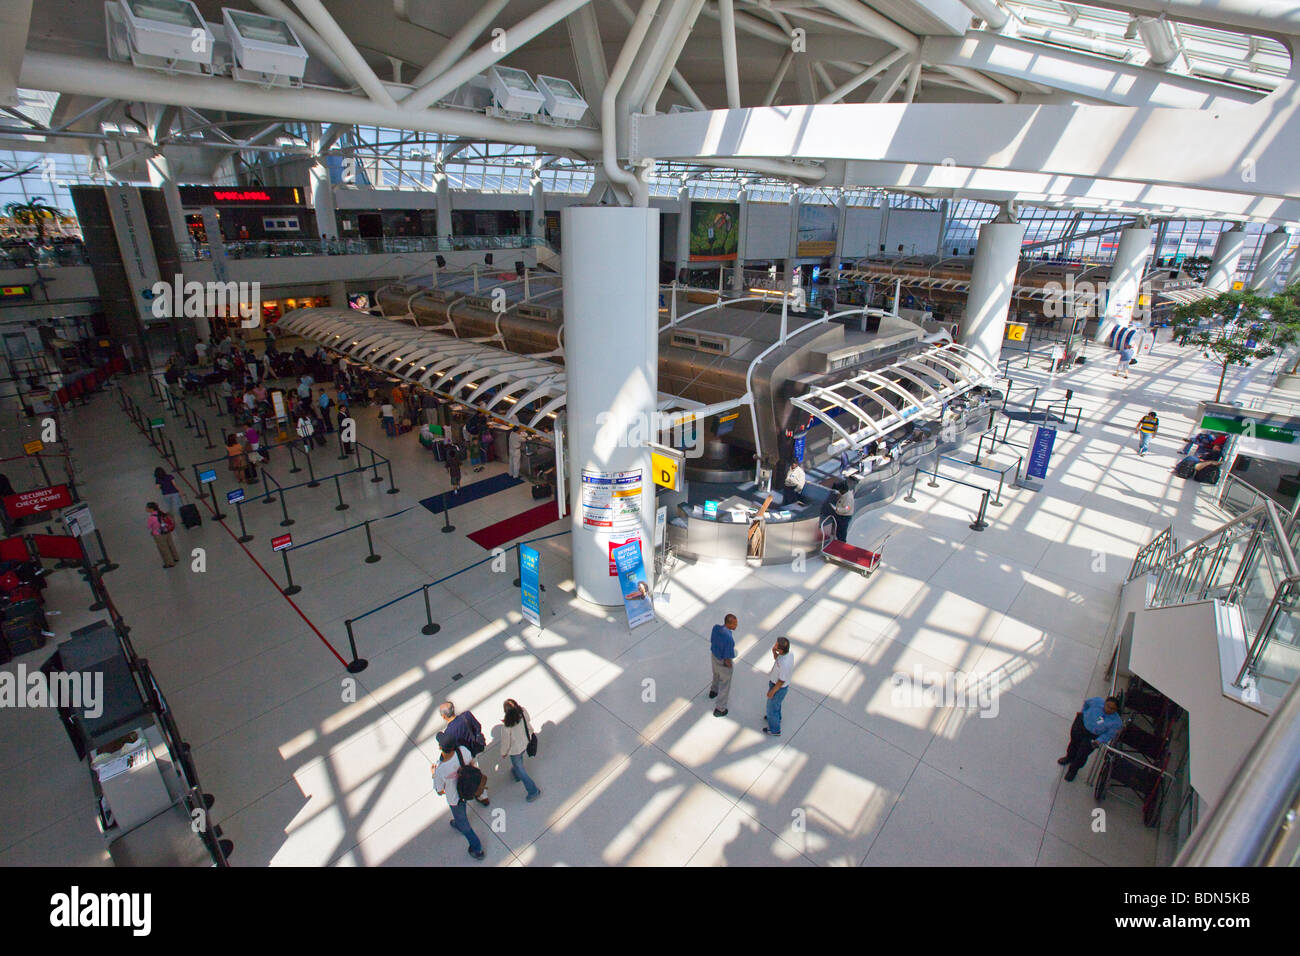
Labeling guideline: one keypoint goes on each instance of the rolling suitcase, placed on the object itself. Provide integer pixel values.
(440, 450)
(1185, 468)
(190, 516)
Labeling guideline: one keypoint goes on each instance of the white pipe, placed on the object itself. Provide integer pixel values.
(669, 67)
(1158, 37)
(309, 37)
(730, 61)
(86, 77)
(872, 21)
(461, 41)
(608, 119)
(486, 55)
(989, 12)
(338, 41)
(913, 80)
(678, 81)
(844, 89)
(782, 68)
(1267, 17)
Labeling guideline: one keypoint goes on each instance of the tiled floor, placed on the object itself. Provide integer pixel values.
(310, 766)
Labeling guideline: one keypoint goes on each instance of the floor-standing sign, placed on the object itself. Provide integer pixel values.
(632, 584)
(1040, 453)
(530, 594)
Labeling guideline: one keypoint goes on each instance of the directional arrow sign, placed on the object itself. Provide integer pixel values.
(37, 500)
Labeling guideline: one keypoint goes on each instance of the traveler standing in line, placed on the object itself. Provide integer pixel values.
(305, 429)
(1095, 725)
(453, 466)
(161, 525)
(778, 684)
(167, 486)
(387, 415)
(515, 445)
(236, 460)
(843, 510)
(722, 645)
(463, 730)
(514, 744)
(795, 479)
(445, 775)
(325, 403)
(1146, 430)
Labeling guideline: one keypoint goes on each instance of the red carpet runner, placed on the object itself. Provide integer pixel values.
(521, 524)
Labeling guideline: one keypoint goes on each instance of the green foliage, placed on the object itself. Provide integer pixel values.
(1239, 327)
(36, 212)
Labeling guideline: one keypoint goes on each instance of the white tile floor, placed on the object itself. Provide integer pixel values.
(635, 769)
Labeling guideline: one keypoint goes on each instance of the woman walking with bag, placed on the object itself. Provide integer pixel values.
(518, 739)
(161, 526)
(167, 487)
(236, 460)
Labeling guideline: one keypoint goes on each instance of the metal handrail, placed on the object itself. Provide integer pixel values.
(1264, 635)
(1246, 827)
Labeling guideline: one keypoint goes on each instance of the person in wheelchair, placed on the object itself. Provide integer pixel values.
(1096, 724)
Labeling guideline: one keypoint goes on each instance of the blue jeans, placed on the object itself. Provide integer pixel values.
(519, 773)
(774, 707)
(460, 820)
(1144, 441)
(389, 429)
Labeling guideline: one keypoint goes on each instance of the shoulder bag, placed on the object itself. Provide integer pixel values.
(532, 739)
(470, 781)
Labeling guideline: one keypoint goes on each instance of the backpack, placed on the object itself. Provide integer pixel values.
(1185, 468)
(470, 781)
(1209, 476)
(165, 523)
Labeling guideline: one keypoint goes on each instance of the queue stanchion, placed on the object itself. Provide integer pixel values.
(374, 463)
(934, 475)
(311, 473)
(207, 435)
(979, 524)
(910, 497)
(40, 460)
(519, 570)
(284, 509)
(106, 565)
(96, 585)
(266, 491)
(216, 511)
(392, 488)
(293, 460)
(338, 490)
(371, 558)
(447, 526)
(357, 664)
(429, 626)
(290, 589)
(244, 536)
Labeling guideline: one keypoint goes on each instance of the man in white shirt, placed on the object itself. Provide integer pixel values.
(445, 773)
(515, 445)
(305, 430)
(795, 479)
(388, 415)
(778, 683)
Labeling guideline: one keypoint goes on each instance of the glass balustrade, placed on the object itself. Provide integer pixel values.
(276, 248)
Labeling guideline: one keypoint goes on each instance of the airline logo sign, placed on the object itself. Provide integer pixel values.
(37, 501)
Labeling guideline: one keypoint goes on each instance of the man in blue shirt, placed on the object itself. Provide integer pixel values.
(462, 730)
(1096, 724)
(722, 644)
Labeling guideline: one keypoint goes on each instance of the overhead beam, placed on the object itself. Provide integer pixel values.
(333, 35)
(460, 41)
(15, 21)
(730, 60)
(675, 77)
(316, 46)
(588, 53)
(844, 89)
(651, 102)
(874, 23)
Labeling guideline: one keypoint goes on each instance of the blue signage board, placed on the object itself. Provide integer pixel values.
(530, 594)
(207, 477)
(711, 509)
(800, 440)
(234, 497)
(632, 584)
(1040, 454)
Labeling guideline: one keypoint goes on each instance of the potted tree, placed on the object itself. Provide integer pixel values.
(1239, 327)
(36, 213)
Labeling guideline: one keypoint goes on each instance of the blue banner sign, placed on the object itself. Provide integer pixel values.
(800, 441)
(633, 585)
(530, 594)
(207, 477)
(234, 497)
(1040, 455)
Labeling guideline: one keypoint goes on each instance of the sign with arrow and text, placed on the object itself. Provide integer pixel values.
(37, 501)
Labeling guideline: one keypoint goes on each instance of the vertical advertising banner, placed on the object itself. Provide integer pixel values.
(1040, 454)
(138, 259)
(632, 584)
(530, 594)
(715, 231)
(817, 226)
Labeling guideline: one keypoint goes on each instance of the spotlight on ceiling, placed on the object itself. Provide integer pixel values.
(563, 101)
(159, 34)
(514, 90)
(266, 50)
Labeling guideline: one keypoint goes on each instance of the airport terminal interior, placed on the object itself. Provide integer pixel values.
(649, 433)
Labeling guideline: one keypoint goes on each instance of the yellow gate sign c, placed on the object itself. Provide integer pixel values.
(666, 471)
(1015, 333)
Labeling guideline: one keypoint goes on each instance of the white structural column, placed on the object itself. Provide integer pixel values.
(1227, 252)
(1125, 283)
(992, 276)
(160, 174)
(539, 208)
(683, 229)
(1271, 253)
(338, 291)
(790, 265)
(1293, 273)
(742, 223)
(611, 347)
(442, 190)
(841, 224)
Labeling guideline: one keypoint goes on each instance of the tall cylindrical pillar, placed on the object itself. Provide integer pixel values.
(683, 230)
(160, 175)
(1227, 252)
(992, 277)
(742, 223)
(322, 199)
(1124, 287)
(841, 225)
(1271, 253)
(539, 209)
(442, 190)
(791, 266)
(611, 344)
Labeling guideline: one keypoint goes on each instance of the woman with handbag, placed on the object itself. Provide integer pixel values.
(236, 459)
(170, 493)
(518, 739)
(161, 525)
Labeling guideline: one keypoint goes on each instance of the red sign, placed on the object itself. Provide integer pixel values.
(613, 571)
(282, 542)
(35, 502)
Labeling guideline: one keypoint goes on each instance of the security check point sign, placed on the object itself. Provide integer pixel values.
(632, 584)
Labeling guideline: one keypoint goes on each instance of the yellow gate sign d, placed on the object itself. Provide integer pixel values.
(667, 471)
(1016, 333)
